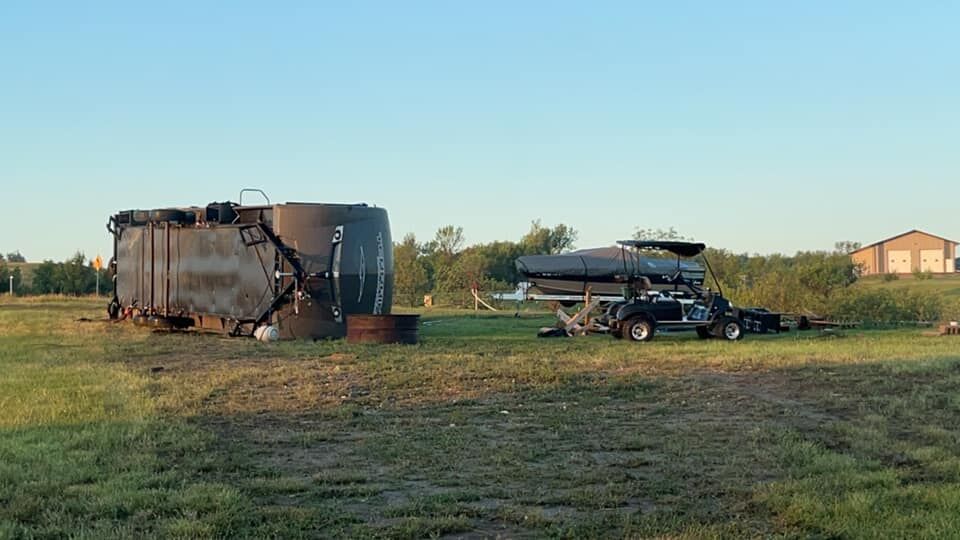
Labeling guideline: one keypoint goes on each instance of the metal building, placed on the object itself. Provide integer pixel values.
(907, 252)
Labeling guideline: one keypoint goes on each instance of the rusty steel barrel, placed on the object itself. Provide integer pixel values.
(363, 328)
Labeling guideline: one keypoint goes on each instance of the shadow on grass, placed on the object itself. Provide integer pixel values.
(837, 450)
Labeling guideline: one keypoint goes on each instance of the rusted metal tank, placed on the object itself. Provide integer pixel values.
(300, 267)
(383, 328)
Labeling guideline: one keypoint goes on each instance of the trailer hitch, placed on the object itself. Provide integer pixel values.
(297, 289)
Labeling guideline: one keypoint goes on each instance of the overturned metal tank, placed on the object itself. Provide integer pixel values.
(298, 267)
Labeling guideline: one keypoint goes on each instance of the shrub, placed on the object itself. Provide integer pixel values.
(951, 309)
(887, 278)
(886, 306)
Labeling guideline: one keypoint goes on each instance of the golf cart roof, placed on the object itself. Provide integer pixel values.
(682, 249)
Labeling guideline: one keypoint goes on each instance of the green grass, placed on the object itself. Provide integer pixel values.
(482, 429)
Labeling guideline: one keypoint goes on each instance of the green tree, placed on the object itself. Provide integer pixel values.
(442, 250)
(499, 260)
(846, 246)
(75, 277)
(6, 272)
(46, 278)
(541, 240)
(411, 279)
(824, 273)
(16, 257)
(448, 241)
(470, 269)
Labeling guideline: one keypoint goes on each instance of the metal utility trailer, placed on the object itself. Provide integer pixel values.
(292, 270)
(525, 294)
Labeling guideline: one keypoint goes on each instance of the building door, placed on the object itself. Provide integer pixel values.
(899, 262)
(931, 260)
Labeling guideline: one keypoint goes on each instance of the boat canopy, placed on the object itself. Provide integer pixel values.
(681, 249)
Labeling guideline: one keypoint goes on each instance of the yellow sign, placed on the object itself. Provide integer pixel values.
(98, 263)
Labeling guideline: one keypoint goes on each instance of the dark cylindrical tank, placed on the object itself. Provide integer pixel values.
(301, 267)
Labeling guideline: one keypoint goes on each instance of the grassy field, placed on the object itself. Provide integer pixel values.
(483, 430)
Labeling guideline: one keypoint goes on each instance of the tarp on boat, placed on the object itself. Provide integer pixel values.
(603, 264)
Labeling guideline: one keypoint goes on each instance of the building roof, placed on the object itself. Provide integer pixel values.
(911, 231)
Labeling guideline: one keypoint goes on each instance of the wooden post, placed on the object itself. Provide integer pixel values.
(477, 302)
(586, 303)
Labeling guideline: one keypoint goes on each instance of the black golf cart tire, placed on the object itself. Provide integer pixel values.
(633, 329)
(703, 332)
(723, 330)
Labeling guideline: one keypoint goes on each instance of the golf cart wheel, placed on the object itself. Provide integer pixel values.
(638, 329)
(703, 332)
(729, 328)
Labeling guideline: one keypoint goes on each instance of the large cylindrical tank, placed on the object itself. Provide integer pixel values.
(301, 267)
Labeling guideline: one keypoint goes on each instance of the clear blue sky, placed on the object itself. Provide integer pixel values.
(757, 126)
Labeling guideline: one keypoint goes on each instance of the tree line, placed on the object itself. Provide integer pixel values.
(815, 282)
(445, 268)
(14, 257)
(811, 282)
(75, 276)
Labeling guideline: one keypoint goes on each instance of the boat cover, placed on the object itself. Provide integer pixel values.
(603, 264)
